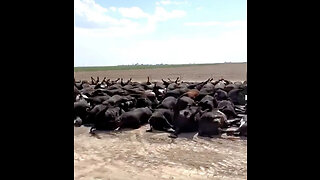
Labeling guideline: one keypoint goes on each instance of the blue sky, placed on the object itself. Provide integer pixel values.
(121, 32)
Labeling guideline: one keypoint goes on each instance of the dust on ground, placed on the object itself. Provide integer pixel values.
(136, 154)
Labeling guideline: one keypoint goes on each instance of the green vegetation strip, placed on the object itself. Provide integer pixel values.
(129, 67)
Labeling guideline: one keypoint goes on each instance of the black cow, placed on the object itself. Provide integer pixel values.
(185, 121)
(183, 103)
(80, 109)
(135, 118)
(237, 96)
(210, 123)
(227, 107)
(174, 93)
(98, 99)
(108, 121)
(168, 103)
(220, 95)
(115, 100)
(161, 120)
(208, 102)
(96, 114)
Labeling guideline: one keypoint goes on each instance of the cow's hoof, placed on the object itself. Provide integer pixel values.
(173, 136)
(170, 130)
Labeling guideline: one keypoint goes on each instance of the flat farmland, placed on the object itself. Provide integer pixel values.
(230, 71)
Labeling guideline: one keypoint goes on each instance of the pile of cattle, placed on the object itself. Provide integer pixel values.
(209, 107)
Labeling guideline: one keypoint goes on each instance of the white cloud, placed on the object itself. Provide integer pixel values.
(162, 15)
(115, 40)
(85, 5)
(130, 29)
(235, 23)
(211, 23)
(92, 12)
(216, 23)
(168, 2)
(133, 12)
(93, 20)
(113, 9)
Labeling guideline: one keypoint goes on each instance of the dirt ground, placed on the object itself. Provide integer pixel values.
(232, 71)
(137, 154)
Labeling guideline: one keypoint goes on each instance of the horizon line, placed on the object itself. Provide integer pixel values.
(137, 64)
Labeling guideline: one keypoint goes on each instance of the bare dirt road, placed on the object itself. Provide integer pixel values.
(136, 154)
